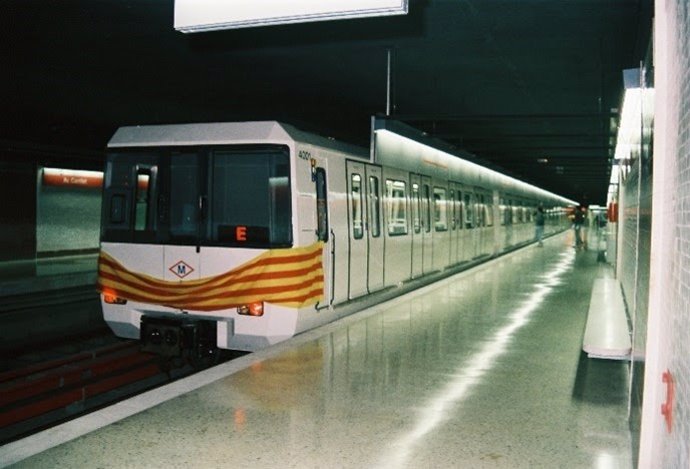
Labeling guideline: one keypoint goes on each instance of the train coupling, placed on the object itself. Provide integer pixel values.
(194, 340)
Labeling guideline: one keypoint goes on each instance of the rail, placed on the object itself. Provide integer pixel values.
(43, 394)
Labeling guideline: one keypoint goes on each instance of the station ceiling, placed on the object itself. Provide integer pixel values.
(529, 86)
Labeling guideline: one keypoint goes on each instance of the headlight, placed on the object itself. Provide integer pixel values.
(252, 309)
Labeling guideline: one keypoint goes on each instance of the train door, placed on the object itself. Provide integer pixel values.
(356, 217)
(374, 228)
(417, 237)
(427, 225)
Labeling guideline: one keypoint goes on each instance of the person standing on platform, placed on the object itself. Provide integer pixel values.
(539, 225)
(578, 221)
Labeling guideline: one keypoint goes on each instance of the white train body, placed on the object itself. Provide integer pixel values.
(261, 231)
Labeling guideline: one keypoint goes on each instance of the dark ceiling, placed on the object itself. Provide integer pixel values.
(530, 86)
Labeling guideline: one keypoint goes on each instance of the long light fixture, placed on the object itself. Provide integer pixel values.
(209, 15)
(637, 113)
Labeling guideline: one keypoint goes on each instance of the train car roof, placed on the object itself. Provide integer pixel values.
(399, 145)
(224, 133)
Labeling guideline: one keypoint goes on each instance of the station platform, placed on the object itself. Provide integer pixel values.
(484, 369)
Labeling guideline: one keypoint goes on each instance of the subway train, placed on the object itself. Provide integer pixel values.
(241, 235)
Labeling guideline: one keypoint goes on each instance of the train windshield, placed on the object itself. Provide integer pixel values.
(212, 196)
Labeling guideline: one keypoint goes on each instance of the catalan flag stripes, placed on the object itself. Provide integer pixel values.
(289, 277)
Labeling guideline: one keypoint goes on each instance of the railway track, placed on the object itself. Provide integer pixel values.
(43, 394)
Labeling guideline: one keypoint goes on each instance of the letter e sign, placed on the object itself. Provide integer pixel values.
(241, 233)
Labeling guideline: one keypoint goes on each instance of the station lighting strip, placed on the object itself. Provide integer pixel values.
(443, 159)
(637, 112)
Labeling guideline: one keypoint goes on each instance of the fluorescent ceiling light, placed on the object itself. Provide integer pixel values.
(209, 15)
(637, 113)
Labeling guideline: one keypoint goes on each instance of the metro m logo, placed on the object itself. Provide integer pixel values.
(181, 269)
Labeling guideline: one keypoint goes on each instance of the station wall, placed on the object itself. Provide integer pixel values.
(44, 220)
(67, 220)
(665, 443)
(634, 250)
(18, 212)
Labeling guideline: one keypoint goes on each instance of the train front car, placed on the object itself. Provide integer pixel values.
(199, 246)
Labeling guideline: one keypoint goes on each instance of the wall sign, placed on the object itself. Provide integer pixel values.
(72, 178)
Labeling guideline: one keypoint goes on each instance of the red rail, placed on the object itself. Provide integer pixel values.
(53, 386)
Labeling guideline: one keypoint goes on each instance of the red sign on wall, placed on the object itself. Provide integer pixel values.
(72, 178)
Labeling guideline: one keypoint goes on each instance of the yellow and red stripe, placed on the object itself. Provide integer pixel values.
(289, 277)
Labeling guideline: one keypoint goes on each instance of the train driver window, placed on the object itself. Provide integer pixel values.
(143, 201)
(396, 207)
(440, 212)
(184, 200)
(250, 190)
(117, 208)
(374, 207)
(356, 198)
(321, 205)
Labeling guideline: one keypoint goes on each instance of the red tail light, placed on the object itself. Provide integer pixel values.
(113, 299)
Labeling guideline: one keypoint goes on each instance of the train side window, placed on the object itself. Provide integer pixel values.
(481, 222)
(426, 208)
(451, 201)
(502, 211)
(374, 207)
(489, 207)
(396, 207)
(469, 222)
(356, 198)
(416, 208)
(460, 211)
(440, 209)
(321, 205)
